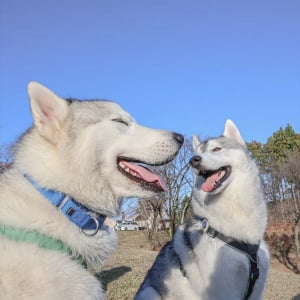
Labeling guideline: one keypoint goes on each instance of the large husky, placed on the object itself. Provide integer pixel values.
(71, 170)
(220, 254)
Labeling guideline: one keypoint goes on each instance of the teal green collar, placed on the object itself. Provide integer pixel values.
(35, 237)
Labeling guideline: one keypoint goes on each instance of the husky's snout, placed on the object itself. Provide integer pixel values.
(195, 161)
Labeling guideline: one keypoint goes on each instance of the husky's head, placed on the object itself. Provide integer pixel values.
(227, 189)
(93, 151)
(216, 160)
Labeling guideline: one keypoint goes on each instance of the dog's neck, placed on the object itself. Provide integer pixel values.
(231, 220)
(87, 220)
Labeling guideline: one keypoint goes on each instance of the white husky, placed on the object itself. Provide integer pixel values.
(71, 170)
(220, 254)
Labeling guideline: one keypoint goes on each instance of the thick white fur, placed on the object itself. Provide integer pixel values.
(72, 148)
(236, 209)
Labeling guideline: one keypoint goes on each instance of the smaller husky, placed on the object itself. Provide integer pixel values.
(71, 170)
(221, 253)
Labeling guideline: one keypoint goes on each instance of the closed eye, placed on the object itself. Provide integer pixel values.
(217, 149)
(120, 121)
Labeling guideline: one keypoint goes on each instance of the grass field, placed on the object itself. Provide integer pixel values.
(123, 273)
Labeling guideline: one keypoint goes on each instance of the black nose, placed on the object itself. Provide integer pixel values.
(178, 137)
(195, 161)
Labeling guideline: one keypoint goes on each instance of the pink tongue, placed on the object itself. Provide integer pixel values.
(146, 175)
(209, 184)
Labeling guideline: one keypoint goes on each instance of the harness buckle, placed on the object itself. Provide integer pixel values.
(204, 225)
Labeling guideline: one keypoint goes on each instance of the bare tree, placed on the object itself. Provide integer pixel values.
(284, 215)
(151, 210)
(290, 169)
(179, 181)
(170, 208)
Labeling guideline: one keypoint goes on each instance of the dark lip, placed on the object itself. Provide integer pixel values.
(134, 160)
(145, 185)
(206, 173)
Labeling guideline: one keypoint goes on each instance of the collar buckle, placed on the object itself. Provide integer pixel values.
(95, 231)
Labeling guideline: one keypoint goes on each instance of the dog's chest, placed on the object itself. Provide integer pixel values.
(215, 270)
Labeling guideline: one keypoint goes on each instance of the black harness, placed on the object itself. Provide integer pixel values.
(249, 249)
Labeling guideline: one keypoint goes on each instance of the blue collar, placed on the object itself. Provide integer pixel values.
(88, 221)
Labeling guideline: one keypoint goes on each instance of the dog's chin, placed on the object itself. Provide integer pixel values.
(134, 190)
(217, 190)
(147, 193)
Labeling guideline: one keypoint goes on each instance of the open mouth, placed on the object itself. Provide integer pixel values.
(136, 171)
(214, 178)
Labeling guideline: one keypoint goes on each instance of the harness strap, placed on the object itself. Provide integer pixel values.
(254, 273)
(249, 249)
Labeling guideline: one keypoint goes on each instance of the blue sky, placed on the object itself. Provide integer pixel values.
(181, 65)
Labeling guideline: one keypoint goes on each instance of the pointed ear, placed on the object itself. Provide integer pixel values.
(232, 132)
(196, 142)
(48, 110)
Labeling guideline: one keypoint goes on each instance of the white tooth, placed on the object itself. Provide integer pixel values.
(121, 165)
(135, 174)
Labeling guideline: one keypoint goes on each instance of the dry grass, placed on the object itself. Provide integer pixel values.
(124, 272)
